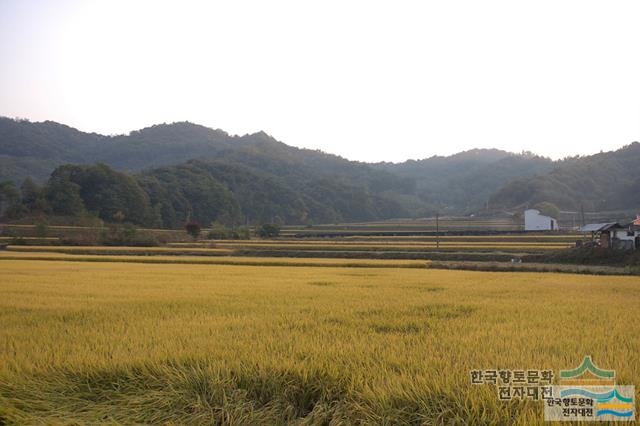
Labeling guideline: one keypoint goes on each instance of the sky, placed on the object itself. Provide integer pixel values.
(368, 80)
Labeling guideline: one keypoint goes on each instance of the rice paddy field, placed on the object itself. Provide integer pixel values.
(501, 247)
(207, 260)
(359, 324)
(408, 226)
(116, 342)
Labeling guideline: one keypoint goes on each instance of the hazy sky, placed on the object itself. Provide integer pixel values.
(367, 80)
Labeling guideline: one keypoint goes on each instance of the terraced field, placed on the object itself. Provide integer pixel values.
(454, 248)
(410, 226)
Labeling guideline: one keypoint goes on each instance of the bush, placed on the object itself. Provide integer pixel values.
(41, 230)
(221, 232)
(10, 232)
(18, 241)
(126, 235)
(193, 229)
(243, 233)
(218, 232)
(269, 230)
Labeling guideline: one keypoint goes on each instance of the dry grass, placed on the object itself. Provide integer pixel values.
(201, 344)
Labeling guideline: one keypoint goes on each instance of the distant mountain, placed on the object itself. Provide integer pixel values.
(462, 183)
(187, 170)
(34, 149)
(601, 182)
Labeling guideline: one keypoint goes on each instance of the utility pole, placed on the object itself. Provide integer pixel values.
(437, 230)
(582, 213)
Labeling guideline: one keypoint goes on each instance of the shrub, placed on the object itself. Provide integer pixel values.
(193, 229)
(218, 232)
(243, 233)
(269, 230)
(41, 229)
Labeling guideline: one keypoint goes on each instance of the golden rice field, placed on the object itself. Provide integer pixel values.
(229, 247)
(103, 250)
(386, 245)
(218, 260)
(375, 244)
(412, 226)
(302, 248)
(500, 237)
(90, 343)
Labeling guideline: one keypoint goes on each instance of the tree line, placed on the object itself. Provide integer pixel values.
(197, 191)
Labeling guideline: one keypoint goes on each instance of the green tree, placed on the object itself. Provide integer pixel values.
(41, 229)
(105, 193)
(193, 229)
(33, 197)
(9, 196)
(218, 232)
(64, 196)
(269, 230)
(243, 233)
(185, 192)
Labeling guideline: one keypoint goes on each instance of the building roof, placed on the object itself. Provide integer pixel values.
(631, 226)
(537, 212)
(597, 227)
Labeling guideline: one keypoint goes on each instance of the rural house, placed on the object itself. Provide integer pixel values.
(534, 221)
(615, 236)
(626, 237)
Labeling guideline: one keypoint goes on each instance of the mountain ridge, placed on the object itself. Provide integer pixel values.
(320, 186)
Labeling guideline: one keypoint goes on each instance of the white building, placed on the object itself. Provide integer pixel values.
(534, 221)
(626, 238)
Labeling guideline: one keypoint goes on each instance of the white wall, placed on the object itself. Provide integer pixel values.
(622, 235)
(534, 221)
(623, 241)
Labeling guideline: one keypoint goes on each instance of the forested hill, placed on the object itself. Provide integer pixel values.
(600, 182)
(183, 170)
(190, 171)
(34, 149)
(464, 182)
